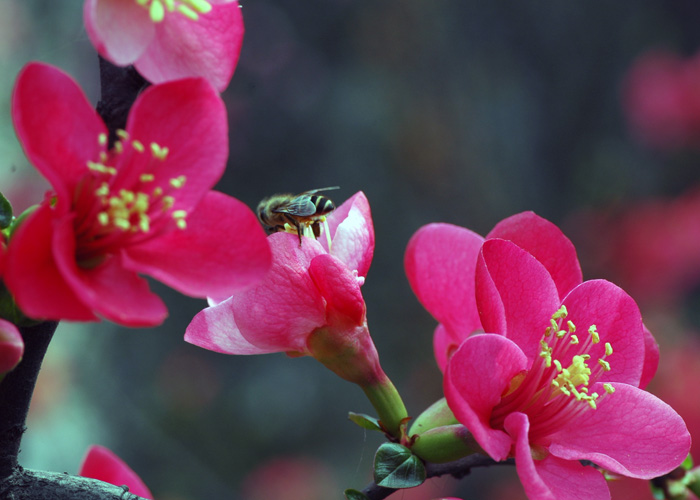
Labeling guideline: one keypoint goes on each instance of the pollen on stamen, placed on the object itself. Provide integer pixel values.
(168, 202)
(138, 146)
(608, 388)
(608, 349)
(178, 182)
(592, 330)
(102, 139)
(159, 152)
(122, 134)
(187, 12)
(604, 364)
(103, 218)
(103, 190)
(100, 168)
(574, 339)
(146, 177)
(571, 326)
(561, 313)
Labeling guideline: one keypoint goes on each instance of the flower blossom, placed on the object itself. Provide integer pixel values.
(102, 464)
(309, 303)
(441, 262)
(145, 206)
(556, 381)
(168, 39)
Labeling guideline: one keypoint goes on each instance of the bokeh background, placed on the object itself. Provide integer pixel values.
(452, 110)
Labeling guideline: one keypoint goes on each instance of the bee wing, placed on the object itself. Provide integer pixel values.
(301, 205)
(314, 191)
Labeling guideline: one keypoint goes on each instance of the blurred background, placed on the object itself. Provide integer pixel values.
(454, 111)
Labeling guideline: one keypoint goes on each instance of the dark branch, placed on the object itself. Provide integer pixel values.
(16, 392)
(458, 469)
(40, 485)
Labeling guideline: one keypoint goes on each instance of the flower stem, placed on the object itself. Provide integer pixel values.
(388, 403)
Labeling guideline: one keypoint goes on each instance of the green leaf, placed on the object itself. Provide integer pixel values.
(365, 421)
(396, 467)
(5, 212)
(355, 495)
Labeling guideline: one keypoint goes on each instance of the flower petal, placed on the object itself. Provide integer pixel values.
(101, 463)
(440, 263)
(339, 287)
(208, 47)
(618, 322)
(56, 125)
(444, 345)
(222, 249)
(189, 118)
(631, 432)
(215, 329)
(476, 376)
(11, 346)
(280, 311)
(352, 233)
(108, 289)
(120, 31)
(509, 277)
(651, 358)
(33, 277)
(552, 478)
(546, 243)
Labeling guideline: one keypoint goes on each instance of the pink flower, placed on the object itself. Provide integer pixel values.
(168, 40)
(102, 464)
(557, 381)
(308, 304)
(11, 346)
(441, 260)
(662, 99)
(146, 206)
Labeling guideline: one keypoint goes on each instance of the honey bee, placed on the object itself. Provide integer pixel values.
(304, 212)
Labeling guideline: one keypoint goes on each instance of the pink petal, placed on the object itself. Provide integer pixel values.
(440, 263)
(508, 275)
(476, 377)
(102, 464)
(208, 47)
(11, 346)
(618, 322)
(631, 432)
(651, 358)
(108, 289)
(552, 478)
(546, 243)
(189, 118)
(444, 345)
(215, 329)
(56, 125)
(214, 256)
(33, 277)
(352, 233)
(120, 31)
(339, 287)
(280, 311)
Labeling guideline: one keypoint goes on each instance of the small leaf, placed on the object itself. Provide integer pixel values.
(396, 467)
(365, 421)
(355, 495)
(5, 212)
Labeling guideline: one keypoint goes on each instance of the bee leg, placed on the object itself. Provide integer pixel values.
(299, 231)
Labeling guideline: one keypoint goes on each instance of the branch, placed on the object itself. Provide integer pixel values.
(39, 485)
(16, 392)
(458, 469)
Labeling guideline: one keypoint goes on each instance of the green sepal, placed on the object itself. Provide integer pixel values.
(396, 467)
(5, 212)
(351, 494)
(365, 421)
(688, 462)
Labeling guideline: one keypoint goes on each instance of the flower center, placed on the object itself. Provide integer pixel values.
(550, 393)
(188, 8)
(118, 208)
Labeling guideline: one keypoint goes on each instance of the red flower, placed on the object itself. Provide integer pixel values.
(101, 463)
(168, 40)
(308, 304)
(557, 381)
(143, 207)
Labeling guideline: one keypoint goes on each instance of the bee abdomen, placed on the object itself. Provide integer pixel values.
(323, 205)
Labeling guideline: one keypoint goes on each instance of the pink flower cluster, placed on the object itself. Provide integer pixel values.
(557, 378)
